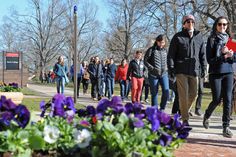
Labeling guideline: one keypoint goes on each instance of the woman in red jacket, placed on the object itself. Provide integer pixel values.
(121, 74)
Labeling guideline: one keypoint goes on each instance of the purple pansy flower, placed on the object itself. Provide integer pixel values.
(81, 112)
(165, 139)
(164, 118)
(118, 108)
(129, 108)
(183, 132)
(6, 104)
(103, 105)
(140, 116)
(116, 100)
(6, 118)
(137, 107)
(138, 123)
(91, 111)
(177, 124)
(15, 85)
(69, 104)
(21, 115)
(152, 114)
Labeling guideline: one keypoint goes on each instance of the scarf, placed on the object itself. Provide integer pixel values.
(223, 37)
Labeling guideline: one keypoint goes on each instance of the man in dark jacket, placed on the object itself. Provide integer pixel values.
(96, 75)
(135, 73)
(186, 58)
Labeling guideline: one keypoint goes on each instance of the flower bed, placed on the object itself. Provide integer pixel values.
(110, 129)
(11, 91)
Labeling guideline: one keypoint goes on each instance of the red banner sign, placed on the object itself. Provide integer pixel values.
(12, 54)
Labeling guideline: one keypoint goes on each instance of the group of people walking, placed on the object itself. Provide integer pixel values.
(181, 68)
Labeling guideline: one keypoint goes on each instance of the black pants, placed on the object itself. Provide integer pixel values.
(221, 83)
(78, 85)
(200, 93)
(173, 87)
(96, 88)
(85, 83)
(146, 88)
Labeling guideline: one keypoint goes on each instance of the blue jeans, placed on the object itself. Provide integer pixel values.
(112, 85)
(123, 89)
(109, 87)
(154, 85)
(60, 84)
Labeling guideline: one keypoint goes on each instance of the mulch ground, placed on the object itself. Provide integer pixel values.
(196, 147)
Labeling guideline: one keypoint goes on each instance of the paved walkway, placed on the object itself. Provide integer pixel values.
(201, 142)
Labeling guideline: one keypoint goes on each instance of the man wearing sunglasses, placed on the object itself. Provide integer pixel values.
(186, 62)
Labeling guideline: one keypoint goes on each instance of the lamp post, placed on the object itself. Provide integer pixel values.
(75, 54)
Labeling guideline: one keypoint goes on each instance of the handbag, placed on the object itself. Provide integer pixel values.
(66, 78)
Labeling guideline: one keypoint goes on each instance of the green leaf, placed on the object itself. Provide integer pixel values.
(123, 118)
(26, 153)
(119, 127)
(99, 125)
(36, 142)
(108, 126)
(23, 136)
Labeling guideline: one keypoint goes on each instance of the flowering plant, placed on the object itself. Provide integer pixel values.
(123, 130)
(11, 87)
(110, 129)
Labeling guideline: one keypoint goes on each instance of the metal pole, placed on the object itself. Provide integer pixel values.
(75, 54)
(3, 65)
(22, 70)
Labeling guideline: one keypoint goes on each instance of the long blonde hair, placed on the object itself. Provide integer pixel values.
(60, 60)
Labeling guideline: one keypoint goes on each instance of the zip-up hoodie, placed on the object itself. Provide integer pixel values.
(136, 69)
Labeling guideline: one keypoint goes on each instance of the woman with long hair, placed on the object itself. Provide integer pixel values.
(121, 78)
(60, 70)
(220, 60)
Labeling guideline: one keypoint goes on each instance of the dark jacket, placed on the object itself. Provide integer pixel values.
(155, 60)
(95, 71)
(113, 70)
(109, 71)
(217, 63)
(135, 69)
(187, 55)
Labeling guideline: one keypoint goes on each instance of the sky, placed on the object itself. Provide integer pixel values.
(20, 6)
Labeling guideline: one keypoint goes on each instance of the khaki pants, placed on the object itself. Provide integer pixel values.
(187, 87)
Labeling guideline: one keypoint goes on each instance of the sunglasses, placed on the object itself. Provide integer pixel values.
(222, 24)
(190, 21)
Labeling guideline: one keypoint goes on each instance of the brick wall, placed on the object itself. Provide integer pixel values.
(14, 76)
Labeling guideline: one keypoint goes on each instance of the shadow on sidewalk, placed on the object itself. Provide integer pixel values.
(213, 142)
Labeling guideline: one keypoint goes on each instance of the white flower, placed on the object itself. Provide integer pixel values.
(51, 134)
(82, 138)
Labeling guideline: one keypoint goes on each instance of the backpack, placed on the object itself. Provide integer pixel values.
(86, 75)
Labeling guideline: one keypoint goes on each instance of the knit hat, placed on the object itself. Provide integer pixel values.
(188, 17)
